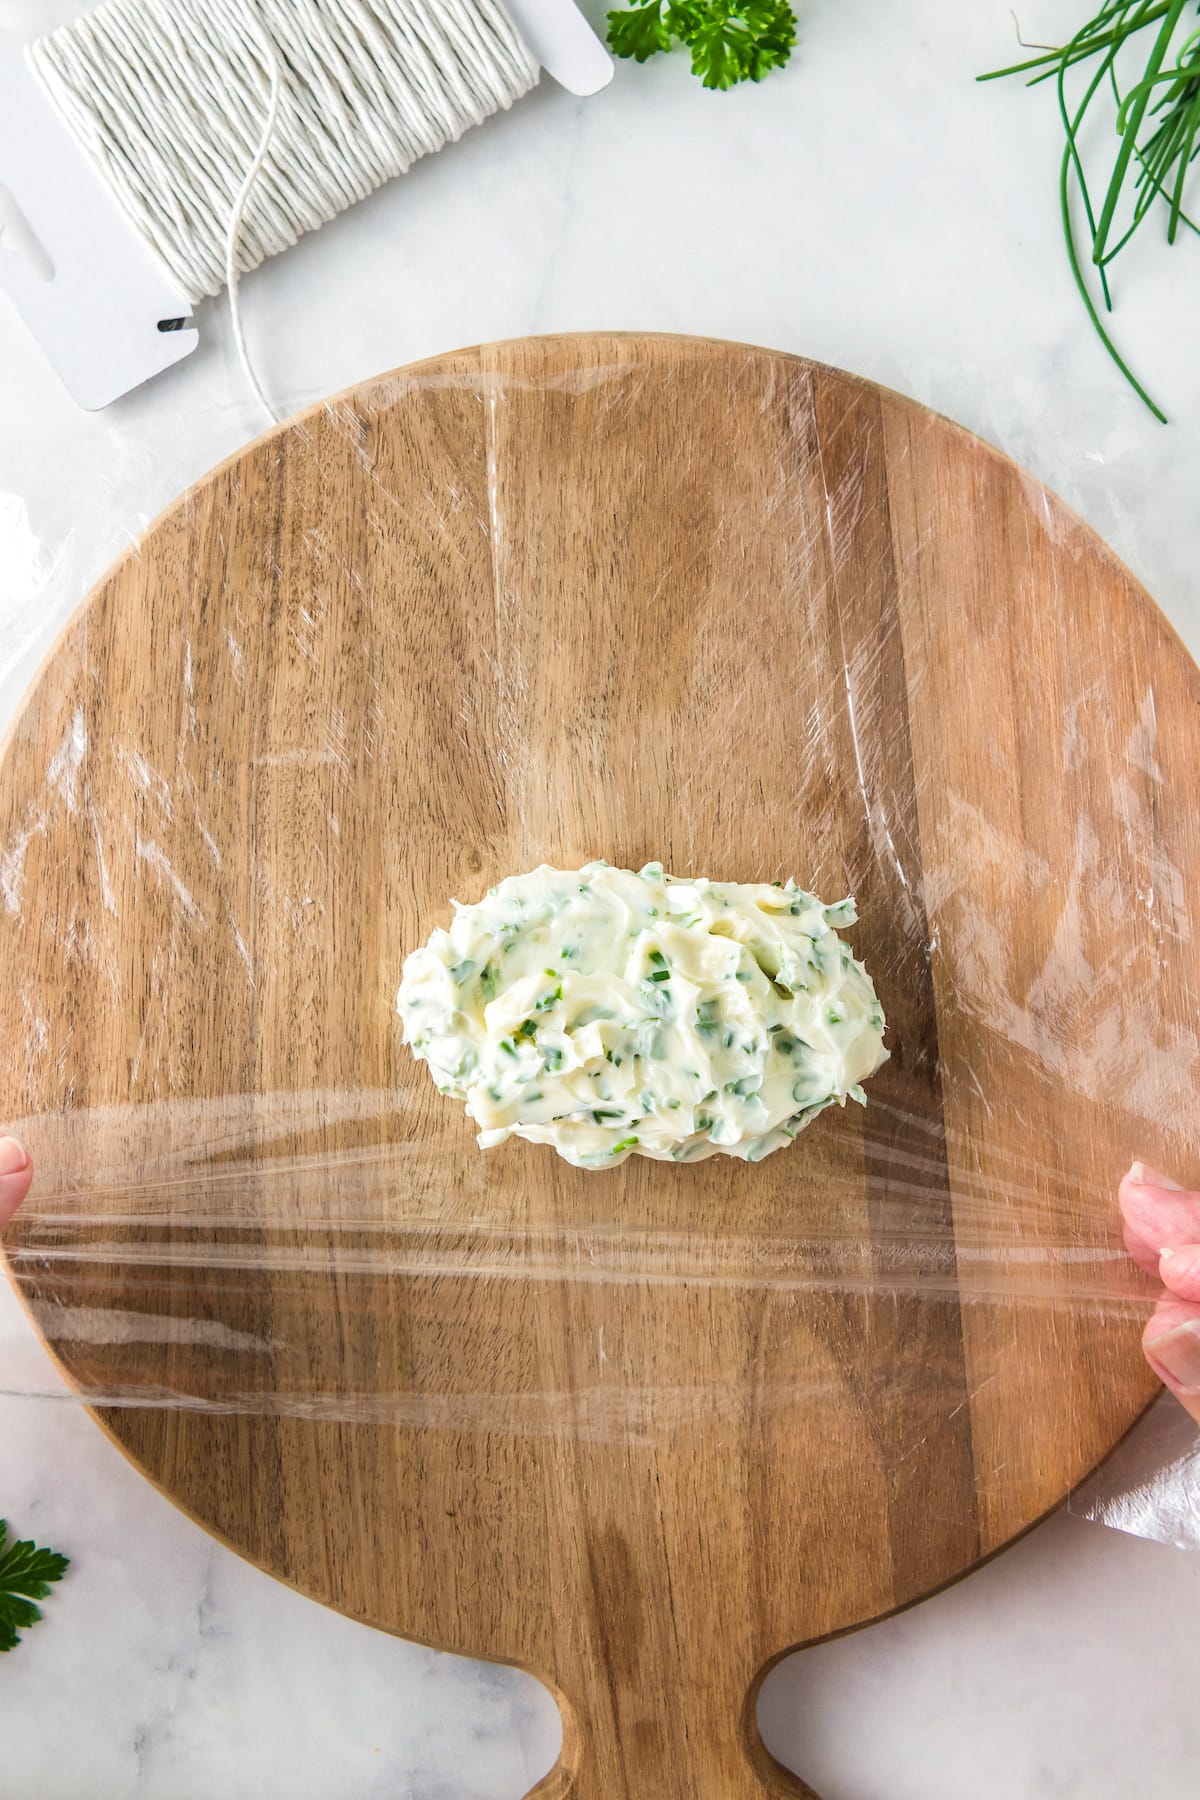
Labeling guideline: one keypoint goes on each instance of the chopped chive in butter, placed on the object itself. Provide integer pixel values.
(603, 1054)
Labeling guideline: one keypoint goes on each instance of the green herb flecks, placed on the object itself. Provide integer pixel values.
(707, 1018)
(656, 1000)
(591, 1015)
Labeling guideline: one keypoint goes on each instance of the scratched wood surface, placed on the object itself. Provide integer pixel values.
(639, 1432)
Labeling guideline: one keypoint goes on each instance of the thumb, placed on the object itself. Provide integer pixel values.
(16, 1173)
(1171, 1342)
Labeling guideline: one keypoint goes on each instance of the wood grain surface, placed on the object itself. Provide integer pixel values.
(639, 1431)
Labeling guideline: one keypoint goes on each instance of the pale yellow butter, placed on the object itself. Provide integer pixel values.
(613, 1013)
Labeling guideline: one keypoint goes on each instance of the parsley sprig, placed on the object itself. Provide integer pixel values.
(730, 40)
(25, 1577)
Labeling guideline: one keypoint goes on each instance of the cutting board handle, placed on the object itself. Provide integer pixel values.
(666, 1743)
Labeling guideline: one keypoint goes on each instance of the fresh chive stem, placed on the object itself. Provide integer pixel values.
(1157, 119)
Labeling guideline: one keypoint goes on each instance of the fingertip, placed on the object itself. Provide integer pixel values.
(1145, 1176)
(14, 1158)
(1171, 1344)
(16, 1176)
(1179, 1270)
(1154, 1216)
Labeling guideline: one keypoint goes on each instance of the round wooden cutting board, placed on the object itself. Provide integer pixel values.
(638, 1431)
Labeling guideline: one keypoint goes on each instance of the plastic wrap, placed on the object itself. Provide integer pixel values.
(241, 1222)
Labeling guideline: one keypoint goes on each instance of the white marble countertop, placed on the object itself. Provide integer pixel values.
(870, 207)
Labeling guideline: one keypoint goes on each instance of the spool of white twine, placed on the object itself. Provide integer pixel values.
(225, 129)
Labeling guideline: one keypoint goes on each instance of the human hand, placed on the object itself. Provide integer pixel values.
(1162, 1234)
(16, 1173)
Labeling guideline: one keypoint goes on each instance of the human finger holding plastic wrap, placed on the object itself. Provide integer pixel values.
(1162, 1234)
(16, 1173)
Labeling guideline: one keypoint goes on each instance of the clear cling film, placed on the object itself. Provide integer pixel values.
(545, 603)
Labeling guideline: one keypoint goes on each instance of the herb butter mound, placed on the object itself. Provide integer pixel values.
(610, 1013)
